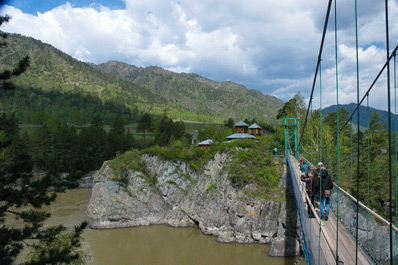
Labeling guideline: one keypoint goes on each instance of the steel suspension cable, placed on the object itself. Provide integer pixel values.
(311, 132)
(368, 201)
(351, 173)
(320, 151)
(389, 129)
(337, 129)
(317, 66)
(349, 119)
(358, 150)
(396, 151)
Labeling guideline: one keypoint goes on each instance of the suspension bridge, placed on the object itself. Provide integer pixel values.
(356, 232)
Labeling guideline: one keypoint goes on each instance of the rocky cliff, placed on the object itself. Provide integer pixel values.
(175, 194)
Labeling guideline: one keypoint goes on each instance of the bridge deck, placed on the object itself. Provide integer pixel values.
(346, 243)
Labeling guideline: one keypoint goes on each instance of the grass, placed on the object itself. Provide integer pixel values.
(130, 160)
(191, 126)
(251, 162)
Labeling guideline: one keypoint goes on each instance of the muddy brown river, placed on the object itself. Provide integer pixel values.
(159, 244)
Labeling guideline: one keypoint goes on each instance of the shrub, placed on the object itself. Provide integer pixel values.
(212, 186)
(253, 165)
(130, 160)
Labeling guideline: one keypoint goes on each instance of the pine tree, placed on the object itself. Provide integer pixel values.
(22, 65)
(19, 188)
(229, 123)
(145, 124)
(117, 137)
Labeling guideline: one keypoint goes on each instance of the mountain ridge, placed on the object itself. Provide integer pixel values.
(153, 89)
(198, 93)
(363, 110)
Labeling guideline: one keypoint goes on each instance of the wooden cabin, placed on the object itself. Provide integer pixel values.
(205, 145)
(241, 127)
(255, 129)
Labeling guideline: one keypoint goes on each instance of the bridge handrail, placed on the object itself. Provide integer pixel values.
(363, 206)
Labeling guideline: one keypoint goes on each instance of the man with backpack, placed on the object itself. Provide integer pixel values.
(325, 185)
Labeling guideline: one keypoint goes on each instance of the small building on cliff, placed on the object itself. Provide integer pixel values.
(255, 129)
(241, 132)
(241, 127)
(240, 136)
(205, 145)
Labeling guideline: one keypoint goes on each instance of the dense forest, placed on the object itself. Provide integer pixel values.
(57, 147)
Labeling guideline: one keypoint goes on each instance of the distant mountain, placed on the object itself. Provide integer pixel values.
(55, 81)
(201, 95)
(365, 114)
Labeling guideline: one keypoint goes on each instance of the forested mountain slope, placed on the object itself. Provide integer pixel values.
(364, 112)
(56, 82)
(191, 91)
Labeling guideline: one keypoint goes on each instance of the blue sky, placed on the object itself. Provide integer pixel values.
(34, 6)
(269, 45)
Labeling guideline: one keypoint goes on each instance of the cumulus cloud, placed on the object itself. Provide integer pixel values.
(267, 45)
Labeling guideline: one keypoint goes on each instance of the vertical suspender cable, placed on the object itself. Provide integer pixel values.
(311, 136)
(396, 152)
(389, 128)
(320, 148)
(368, 201)
(358, 123)
(338, 130)
(351, 172)
(320, 112)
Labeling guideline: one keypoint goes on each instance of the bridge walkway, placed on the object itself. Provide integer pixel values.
(328, 230)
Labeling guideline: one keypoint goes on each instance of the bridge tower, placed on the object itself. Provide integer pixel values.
(291, 128)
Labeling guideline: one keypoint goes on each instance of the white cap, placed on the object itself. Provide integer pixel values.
(320, 164)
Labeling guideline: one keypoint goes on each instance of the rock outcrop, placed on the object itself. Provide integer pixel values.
(182, 197)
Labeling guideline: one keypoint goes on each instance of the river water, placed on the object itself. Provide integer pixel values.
(158, 244)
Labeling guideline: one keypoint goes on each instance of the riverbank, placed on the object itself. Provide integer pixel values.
(156, 244)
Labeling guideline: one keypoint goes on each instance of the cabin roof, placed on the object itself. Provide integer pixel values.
(240, 136)
(206, 142)
(241, 123)
(255, 126)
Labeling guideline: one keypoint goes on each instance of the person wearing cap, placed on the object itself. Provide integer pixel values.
(324, 186)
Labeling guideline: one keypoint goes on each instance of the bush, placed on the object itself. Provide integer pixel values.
(178, 150)
(130, 160)
(212, 186)
(253, 165)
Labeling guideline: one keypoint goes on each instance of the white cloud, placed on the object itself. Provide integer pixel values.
(267, 45)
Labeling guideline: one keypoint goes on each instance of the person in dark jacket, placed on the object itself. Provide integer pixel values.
(325, 185)
(304, 167)
(311, 188)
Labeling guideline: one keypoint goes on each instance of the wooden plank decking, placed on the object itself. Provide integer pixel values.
(346, 242)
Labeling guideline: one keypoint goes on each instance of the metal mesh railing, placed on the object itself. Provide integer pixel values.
(311, 227)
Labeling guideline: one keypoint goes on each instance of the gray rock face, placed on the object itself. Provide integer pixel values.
(86, 181)
(183, 198)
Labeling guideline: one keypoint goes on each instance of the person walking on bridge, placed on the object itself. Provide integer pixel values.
(311, 188)
(304, 167)
(325, 185)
